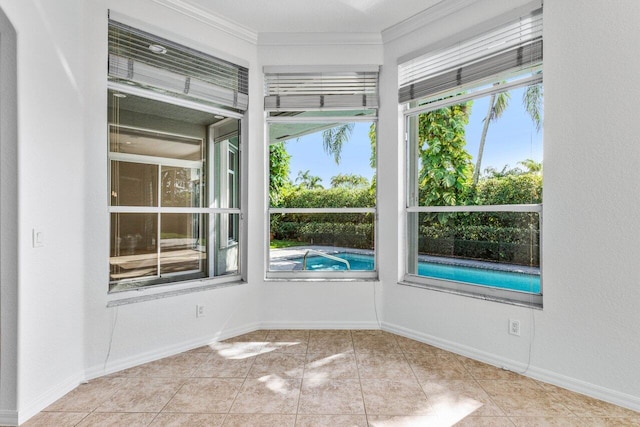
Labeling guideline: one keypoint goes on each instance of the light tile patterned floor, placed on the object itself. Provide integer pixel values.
(324, 378)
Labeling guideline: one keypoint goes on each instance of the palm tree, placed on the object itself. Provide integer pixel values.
(497, 104)
(532, 101)
(349, 181)
(531, 165)
(308, 181)
(334, 138)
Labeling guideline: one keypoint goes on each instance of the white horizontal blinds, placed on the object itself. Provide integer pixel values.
(321, 90)
(149, 61)
(514, 47)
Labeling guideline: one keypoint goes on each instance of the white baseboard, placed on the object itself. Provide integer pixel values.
(284, 324)
(150, 356)
(139, 359)
(573, 384)
(48, 397)
(8, 418)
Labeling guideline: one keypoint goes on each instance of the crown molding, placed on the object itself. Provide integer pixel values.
(319, 39)
(434, 13)
(215, 21)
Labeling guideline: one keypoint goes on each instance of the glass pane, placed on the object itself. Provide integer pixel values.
(226, 244)
(322, 165)
(182, 243)
(346, 236)
(134, 239)
(227, 172)
(155, 144)
(134, 184)
(487, 151)
(180, 187)
(498, 249)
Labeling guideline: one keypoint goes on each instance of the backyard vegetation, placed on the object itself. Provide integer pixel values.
(448, 175)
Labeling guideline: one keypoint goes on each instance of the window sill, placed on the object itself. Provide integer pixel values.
(489, 294)
(158, 292)
(289, 279)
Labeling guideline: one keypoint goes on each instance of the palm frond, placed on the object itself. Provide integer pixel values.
(333, 139)
(532, 101)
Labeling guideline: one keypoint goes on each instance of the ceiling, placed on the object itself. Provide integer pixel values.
(314, 16)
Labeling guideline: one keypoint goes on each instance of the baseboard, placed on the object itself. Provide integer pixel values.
(150, 356)
(573, 384)
(139, 359)
(8, 418)
(48, 397)
(285, 324)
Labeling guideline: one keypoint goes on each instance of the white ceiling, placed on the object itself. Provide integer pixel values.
(314, 16)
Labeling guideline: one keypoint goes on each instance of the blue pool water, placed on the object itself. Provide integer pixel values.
(477, 276)
(356, 261)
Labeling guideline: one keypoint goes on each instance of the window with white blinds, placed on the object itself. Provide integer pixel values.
(331, 90)
(143, 59)
(511, 48)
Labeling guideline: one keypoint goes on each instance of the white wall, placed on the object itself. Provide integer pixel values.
(585, 337)
(298, 304)
(50, 190)
(121, 336)
(8, 223)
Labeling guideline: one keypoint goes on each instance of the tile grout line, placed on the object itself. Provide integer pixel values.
(246, 376)
(404, 355)
(304, 367)
(473, 377)
(355, 356)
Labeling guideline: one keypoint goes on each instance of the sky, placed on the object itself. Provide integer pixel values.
(510, 139)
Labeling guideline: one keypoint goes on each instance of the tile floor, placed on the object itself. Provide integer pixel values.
(324, 378)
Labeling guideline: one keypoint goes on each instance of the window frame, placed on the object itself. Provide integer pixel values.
(209, 175)
(306, 275)
(410, 112)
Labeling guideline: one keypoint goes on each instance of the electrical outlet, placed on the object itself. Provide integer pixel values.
(514, 327)
(199, 310)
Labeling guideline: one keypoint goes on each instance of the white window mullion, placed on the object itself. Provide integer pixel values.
(158, 238)
(478, 208)
(320, 210)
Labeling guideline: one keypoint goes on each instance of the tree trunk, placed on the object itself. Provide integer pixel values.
(487, 119)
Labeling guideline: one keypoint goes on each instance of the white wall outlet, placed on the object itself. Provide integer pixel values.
(199, 310)
(514, 327)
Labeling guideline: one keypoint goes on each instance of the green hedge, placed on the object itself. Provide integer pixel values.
(329, 198)
(510, 245)
(491, 236)
(347, 235)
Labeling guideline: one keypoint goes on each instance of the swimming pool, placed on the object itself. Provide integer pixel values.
(517, 281)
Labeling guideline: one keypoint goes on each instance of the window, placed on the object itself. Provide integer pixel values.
(322, 164)
(474, 119)
(174, 164)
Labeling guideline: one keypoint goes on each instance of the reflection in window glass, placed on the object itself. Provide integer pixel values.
(155, 144)
(134, 238)
(227, 247)
(134, 184)
(180, 187)
(181, 248)
(163, 229)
